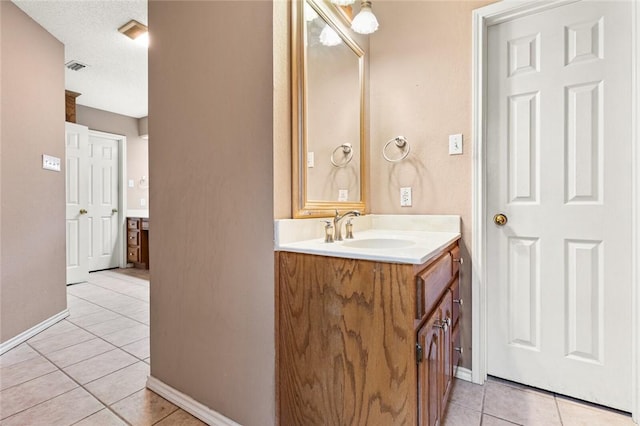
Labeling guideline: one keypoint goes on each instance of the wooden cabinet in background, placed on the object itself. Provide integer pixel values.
(138, 242)
(364, 342)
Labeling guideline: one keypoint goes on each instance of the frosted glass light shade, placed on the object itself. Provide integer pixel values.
(329, 37)
(343, 2)
(365, 22)
(309, 13)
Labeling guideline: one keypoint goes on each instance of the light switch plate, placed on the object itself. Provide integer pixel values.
(405, 197)
(311, 159)
(343, 195)
(143, 202)
(455, 144)
(50, 163)
(131, 184)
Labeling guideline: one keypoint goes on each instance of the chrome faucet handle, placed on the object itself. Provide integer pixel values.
(337, 222)
(328, 231)
(349, 230)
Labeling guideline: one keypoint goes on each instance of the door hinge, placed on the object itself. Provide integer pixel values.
(419, 353)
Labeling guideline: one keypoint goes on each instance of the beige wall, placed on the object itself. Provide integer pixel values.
(281, 110)
(32, 222)
(211, 161)
(421, 89)
(137, 148)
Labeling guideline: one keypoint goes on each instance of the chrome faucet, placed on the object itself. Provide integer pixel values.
(337, 223)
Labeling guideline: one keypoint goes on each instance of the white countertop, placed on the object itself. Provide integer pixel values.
(420, 237)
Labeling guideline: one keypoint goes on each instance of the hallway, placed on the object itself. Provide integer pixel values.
(91, 368)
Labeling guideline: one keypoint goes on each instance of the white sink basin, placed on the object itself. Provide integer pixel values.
(379, 243)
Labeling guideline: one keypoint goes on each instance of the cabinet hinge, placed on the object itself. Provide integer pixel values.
(419, 353)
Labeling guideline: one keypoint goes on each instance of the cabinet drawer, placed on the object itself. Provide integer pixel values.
(145, 224)
(455, 290)
(431, 283)
(132, 223)
(133, 254)
(455, 260)
(132, 238)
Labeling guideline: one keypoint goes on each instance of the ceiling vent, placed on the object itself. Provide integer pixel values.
(75, 65)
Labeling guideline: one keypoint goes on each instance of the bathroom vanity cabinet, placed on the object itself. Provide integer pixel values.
(138, 242)
(364, 342)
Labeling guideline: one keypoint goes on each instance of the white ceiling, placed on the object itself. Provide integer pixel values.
(116, 77)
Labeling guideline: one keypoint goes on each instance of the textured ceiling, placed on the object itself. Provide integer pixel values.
(116, 77)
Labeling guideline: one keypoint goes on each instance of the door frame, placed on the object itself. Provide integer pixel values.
(122, 191)
(482, 19)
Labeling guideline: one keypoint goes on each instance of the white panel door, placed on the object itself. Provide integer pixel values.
(559, 168)
(76, 142)
(103, 202)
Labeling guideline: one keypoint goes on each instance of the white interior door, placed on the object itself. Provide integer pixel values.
(559, 168)
(77, 202)
(103, 201)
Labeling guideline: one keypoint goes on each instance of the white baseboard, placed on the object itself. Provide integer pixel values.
(462, 373)
(189, 404)
(26, 335)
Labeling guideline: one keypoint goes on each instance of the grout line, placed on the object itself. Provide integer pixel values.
(555, 399)
(78, 384)
(159, 420)
(42, 402)
(111, 310)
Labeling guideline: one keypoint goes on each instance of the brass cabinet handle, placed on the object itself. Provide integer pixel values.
(500, 219)
(83, 211)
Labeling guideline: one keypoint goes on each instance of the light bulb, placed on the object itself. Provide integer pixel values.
(329, 37)
(365, 22)
(143, 39)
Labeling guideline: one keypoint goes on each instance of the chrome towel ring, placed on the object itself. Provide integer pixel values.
(347, 150)
(402, 143)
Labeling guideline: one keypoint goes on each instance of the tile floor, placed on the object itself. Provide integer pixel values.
(91, 368)
(502, 403)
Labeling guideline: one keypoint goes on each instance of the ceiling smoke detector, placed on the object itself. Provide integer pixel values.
(75, 65)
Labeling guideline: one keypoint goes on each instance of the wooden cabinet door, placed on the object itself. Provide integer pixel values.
(430, 370)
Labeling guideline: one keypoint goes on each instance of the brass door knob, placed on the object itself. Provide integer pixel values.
(83, 211)
(500, 219)
(114, 210)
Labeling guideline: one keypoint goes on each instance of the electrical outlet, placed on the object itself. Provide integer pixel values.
(50, 163)
(455, 144)
(311, 159)
(405, 197)
(343, 195)
(131, 184)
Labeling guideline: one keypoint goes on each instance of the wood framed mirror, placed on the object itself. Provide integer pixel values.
(328, 113)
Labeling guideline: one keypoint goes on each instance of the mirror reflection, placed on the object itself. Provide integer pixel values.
(330, 103)
(333, 113)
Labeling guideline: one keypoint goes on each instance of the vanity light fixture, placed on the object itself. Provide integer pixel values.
(309, 13)
(343, 2)
(136, 31)
(365, 21)
(329, 37)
